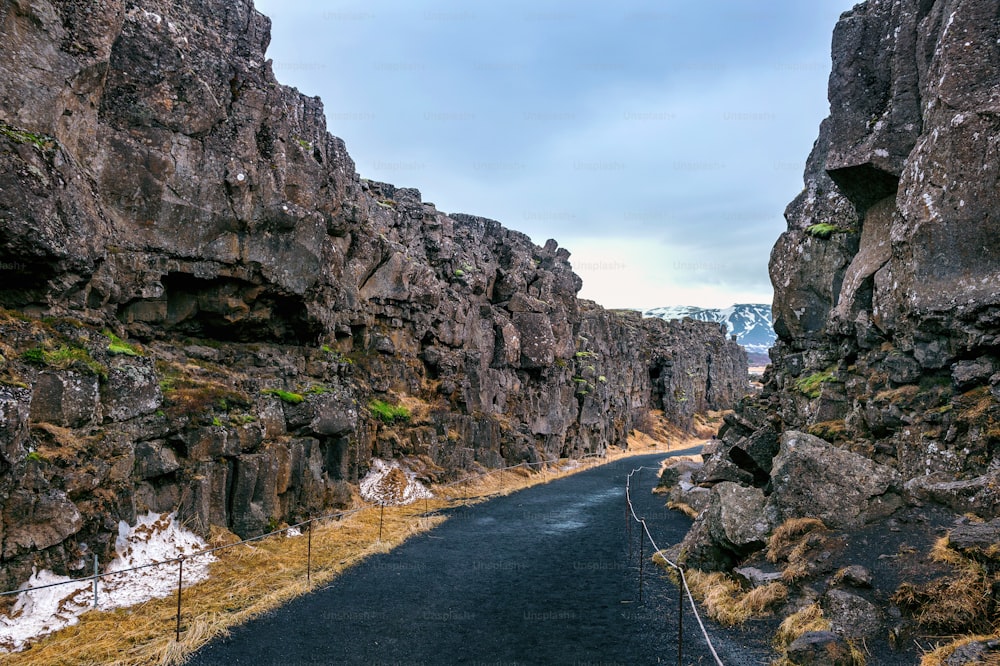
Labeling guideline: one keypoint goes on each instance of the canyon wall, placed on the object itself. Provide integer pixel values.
(881, 404)
(205, 308)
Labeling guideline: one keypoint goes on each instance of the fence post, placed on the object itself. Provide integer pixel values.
(95, 579)
(629, 541)
(180, 583)
(381, 514)
(642, 557)
(680, 617)
(309, 553)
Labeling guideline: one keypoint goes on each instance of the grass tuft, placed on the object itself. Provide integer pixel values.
(810, 386)
(792, 542)
(801, 622)
(119, 346)
(727, 603)
(831, 431)
(387, 413)
(64, 356)
(940, 655)
(958, 603)
(824, 230)
(285, 396)
(684, 508)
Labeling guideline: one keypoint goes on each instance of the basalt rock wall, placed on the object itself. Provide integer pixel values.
(205, 309)
(886, 288)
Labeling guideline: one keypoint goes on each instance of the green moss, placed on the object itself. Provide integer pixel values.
(18, 135)
(810, 386)
(586, 354)
(387, 413)
(824, 230)
(318, 389)
(63, 357)
(336, 356)
(35, 456)
(119, 346)
(831, 431)
(285, 396)
(34, 355)
(459, 272)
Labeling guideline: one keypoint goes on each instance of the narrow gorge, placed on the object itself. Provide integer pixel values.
(207, 310)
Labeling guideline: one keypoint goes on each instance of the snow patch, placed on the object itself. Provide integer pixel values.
(154, 538)
(392, 484)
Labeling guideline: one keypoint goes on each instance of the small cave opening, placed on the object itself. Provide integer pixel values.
(226, 309)
(657, 389)
(864, 185)
(23, 282)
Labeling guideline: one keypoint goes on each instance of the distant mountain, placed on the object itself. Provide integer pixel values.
(751, 323)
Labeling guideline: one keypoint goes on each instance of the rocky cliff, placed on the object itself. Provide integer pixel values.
(881, 406)
(206, 309)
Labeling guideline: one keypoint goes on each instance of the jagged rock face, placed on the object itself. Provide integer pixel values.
(156, 181)
(882, 398)
(885, 280)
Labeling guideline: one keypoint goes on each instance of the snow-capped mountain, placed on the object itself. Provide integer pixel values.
(751, 323)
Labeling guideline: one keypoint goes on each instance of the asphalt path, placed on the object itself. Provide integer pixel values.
(547, 575)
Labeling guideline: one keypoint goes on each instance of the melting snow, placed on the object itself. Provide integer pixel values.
(392, 484)
(154, 538)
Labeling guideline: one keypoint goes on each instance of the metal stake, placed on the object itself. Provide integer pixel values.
(180, 582)
(381, 513)
(680, 618)
(309, 553)
(629, 523)
(95, 580)
(642, 543)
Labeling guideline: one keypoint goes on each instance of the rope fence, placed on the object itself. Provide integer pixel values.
(303, 526)
(630, 517)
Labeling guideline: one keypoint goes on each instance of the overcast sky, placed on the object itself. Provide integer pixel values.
(658, 141)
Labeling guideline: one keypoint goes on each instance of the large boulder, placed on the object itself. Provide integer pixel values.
(850, 615)
(732, 526)
(813, 478)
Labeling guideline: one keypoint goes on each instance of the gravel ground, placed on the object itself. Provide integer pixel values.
(541, 576)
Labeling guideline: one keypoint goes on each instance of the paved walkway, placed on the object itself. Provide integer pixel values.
(542, 576)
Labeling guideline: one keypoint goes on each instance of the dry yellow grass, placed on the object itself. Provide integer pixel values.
(727, 603)
(803, 621)
(246, 581)
(684, 508)
(791, 541)
(957, 603)
(939, 656)
(250, 579)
